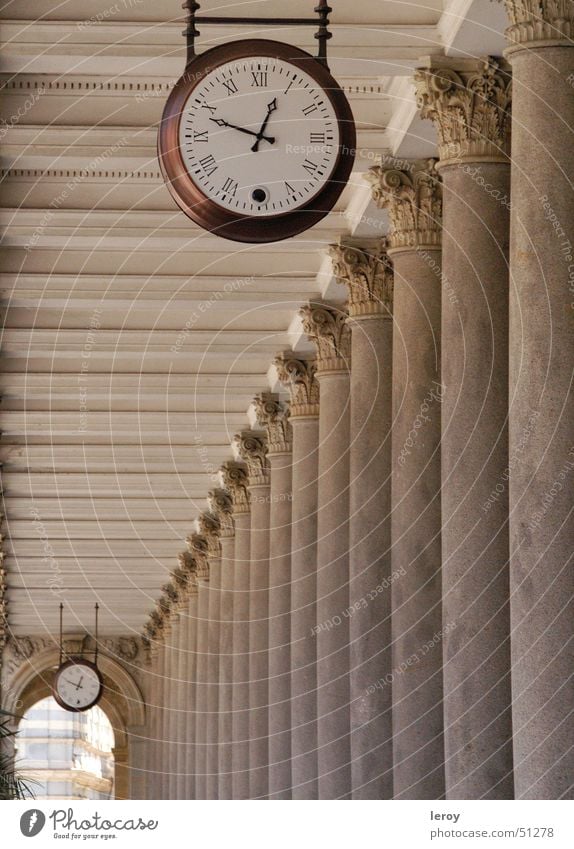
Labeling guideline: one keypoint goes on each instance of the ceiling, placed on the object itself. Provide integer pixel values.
(133, 342)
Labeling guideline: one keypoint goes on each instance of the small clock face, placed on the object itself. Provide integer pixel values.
(78, 685)
(259, 136)
(257, 141)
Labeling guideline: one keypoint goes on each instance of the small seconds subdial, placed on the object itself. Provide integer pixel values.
(77, 685)
(259, 137)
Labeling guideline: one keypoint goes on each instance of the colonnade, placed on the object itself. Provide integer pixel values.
(378, 603)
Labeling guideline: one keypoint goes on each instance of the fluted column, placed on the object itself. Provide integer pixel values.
(191, 688)
(274, 418)
(541, 417)
(469, 104)
(180, 580)
(222, 505)
(210, 529)
(153, 633)
(298, 375)
(164, 669)
(326, 326)
(198, 546)
(413, 199)
(365, 269)
(234, 476)
(252, 447)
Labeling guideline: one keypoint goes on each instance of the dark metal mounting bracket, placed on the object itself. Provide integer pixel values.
(322, 10)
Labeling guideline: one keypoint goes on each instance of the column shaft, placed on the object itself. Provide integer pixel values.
(212, 752)
(226, 669)
(541, 418)
(240, 725)
(279, 627)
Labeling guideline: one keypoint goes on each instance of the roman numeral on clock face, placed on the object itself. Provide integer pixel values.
(317, 138)
(308, 110)
(230, 87)
(230, 187)
(309, 166)
(209, 165)
(200, 137)
(259, 79)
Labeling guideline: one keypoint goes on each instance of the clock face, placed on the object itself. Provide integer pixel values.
(259, 137)
(78, 685)
(257, 141)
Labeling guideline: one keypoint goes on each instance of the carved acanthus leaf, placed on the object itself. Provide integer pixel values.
(252, 448)
(470, 109)
(367, 272)
(272, 415)
(199, 546)
(221, 504)
(540, 20)
(234, 480)
(413, 198)
(299, 376)
(210, 528)
(327, 327)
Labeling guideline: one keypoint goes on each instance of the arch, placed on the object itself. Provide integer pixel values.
(122, 701)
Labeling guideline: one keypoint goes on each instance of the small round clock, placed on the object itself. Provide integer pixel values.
(78, 685)
(257, 141)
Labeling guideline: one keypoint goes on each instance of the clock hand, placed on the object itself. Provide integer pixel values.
(271, 107)
(221, 123)
(78, 685)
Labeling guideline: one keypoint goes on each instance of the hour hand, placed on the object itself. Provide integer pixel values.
(222, 123)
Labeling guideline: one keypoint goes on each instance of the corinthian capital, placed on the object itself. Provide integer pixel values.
(468, 101)
(366, 270)
(413, 198)
(273, 416)
(234, 480)
(252, 448)
(210, 529)
(540, 20)
(298, 376)
(221, 504)
(188, 566)
(199, 547)
(327, 327)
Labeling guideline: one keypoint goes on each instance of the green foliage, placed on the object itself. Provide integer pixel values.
(12, 785)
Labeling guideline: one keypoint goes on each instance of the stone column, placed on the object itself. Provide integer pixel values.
(169, 714)
(298, 376)
(274, 418)
(413, 199)
(252, 447)
(210, 528)
(191, 688)
(153, 633)
(234, 476)
(541, 417)
(198, 546)
(222, 505)
(162, 738)
(183, 578)
(365, 269)
(326, 326)
(469, 104)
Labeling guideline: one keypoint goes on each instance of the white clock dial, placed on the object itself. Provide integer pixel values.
(259, 136)
(78, 685)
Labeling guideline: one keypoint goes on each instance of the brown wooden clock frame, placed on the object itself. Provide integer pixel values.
(203, 210)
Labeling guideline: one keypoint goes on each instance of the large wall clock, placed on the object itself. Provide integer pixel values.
(257, 141)
(78, 685)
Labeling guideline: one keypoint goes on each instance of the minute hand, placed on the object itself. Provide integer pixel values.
(221, 123)
(270, 108)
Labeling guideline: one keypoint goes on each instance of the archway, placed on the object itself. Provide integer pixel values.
(122, 702)
(66, 755)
